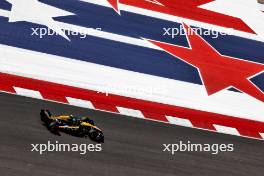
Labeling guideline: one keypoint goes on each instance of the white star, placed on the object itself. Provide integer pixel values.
(247, 10)
(34, 11)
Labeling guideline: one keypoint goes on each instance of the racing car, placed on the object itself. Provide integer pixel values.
(79, 126)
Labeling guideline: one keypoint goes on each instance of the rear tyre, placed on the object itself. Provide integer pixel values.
(53, 127)
(45, 116)
(48, 112)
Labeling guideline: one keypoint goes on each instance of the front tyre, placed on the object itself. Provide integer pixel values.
(96, 135)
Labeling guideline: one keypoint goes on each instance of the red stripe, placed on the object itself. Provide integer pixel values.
(152, 110)
(105, 107)
(154, 116)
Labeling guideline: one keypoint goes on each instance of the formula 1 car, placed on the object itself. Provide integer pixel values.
(79, 126)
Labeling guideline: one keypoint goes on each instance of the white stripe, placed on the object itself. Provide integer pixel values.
(80, 103)
(226, 130)
(254, 18)
(179, 121)
(262, 135)
(130, 112)
(261, 6)
(95, 77)
(109, 36)
(28, 92)
(4, 13)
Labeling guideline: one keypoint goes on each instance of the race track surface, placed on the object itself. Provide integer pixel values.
(133, 147)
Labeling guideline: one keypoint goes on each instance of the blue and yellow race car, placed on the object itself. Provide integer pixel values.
(75, 125)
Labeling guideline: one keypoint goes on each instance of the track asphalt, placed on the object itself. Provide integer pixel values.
(133, 147)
